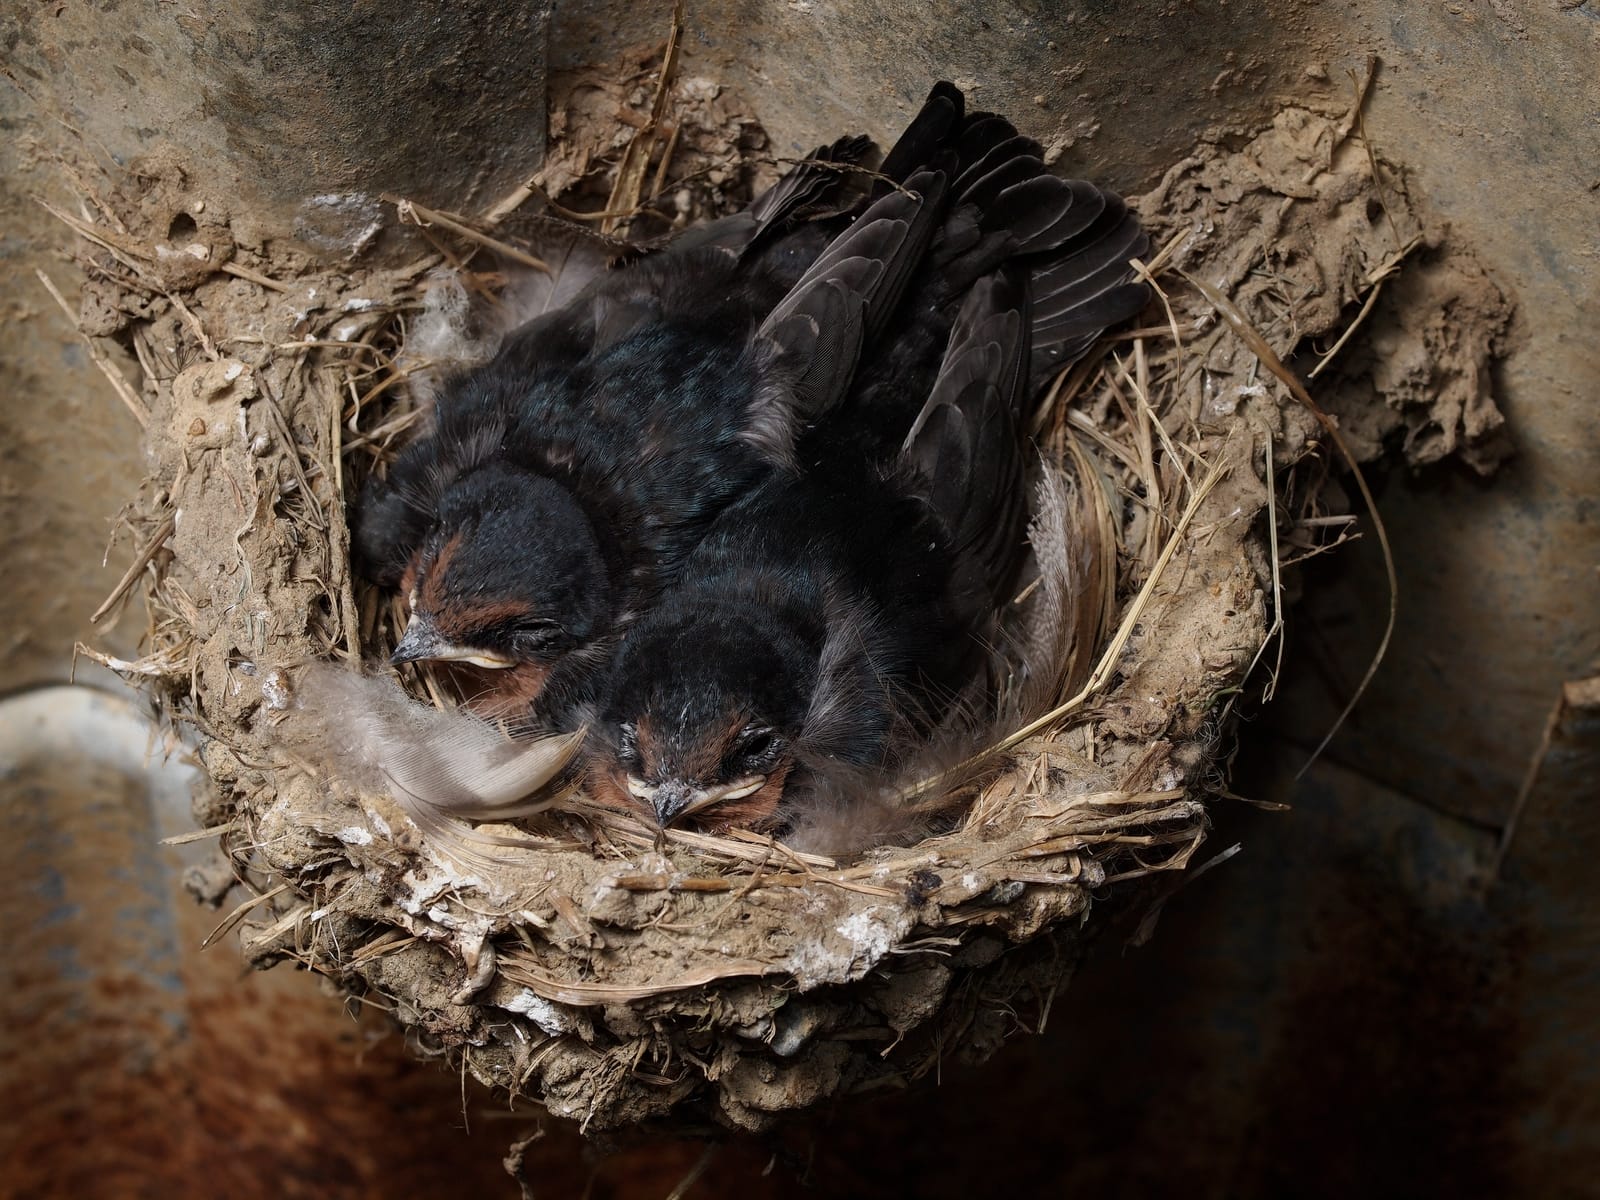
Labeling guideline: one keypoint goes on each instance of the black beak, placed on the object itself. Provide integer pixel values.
(421, 641)
(672, 799)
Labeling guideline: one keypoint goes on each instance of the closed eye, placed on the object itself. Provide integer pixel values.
(539, 629)
(758, 748)
(535, 638)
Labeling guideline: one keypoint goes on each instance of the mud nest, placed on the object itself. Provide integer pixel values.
(731, 979)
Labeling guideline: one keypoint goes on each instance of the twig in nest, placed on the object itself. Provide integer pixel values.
(1508, 833)
(1259, 347)
(412, 213)
(1108, 661)
(255, 277)
(201, 835)
(699, 1169)
(291, 450)
(1275, 630)
(629, 186)
(135, 568)
(1363, 87)
(123, 389)
(1147, 924)
(234, 917)
(1402, 247)
(1385, 269)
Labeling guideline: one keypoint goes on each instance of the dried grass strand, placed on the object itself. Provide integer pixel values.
(1259, 347)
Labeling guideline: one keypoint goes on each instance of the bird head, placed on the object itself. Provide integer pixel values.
(510, 575)
(702, 718)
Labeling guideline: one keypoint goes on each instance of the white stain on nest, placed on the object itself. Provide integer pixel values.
(861, 940)
(340, 221)
(275, 691)
(868, 932)
(550, 1018)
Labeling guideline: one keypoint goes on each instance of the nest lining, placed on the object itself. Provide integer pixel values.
(732, 978)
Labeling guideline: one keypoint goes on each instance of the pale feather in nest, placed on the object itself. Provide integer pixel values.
(443, 767)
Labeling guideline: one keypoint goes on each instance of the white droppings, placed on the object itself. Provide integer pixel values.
(870, 934)
(354, 835)
(550, 1018)
(358, 304)
(232, 371)
(275, 691)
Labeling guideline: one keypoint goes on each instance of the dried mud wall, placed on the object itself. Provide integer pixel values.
(1349, 955)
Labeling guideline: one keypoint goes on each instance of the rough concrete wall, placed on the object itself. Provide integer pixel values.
(1336, 1009)
(1117, 90)
(306, 111)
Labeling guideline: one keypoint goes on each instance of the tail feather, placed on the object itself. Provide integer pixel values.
(1100, 263)
(928, 133)
(980, 132)
(1045, 214)
(986, 190)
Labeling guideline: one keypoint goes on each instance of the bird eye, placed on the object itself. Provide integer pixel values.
(535, 635)
(758, 747)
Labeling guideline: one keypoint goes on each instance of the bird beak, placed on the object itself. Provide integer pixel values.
(423, 640)
(675, 798)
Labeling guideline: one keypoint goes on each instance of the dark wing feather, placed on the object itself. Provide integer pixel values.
(966, 444)
(1003, 150)
(820, 180)
(927, 134)
(1086, 286)
(810, 183)
(849, 293)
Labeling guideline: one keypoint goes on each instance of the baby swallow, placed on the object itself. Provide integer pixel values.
(562, 483)
(834, 619)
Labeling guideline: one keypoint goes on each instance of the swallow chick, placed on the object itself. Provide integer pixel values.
(835, 623)
(563, 482)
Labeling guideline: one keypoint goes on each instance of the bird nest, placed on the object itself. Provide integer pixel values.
(618, 978)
